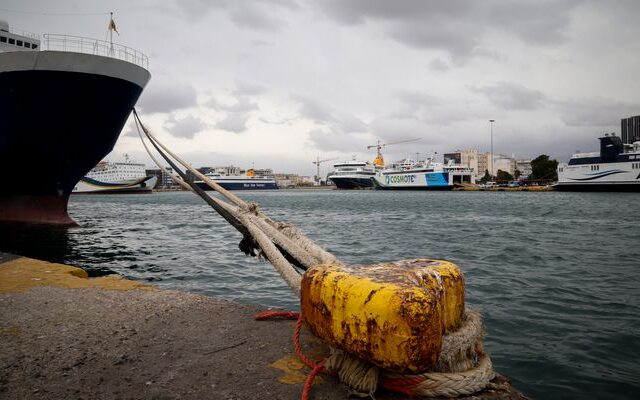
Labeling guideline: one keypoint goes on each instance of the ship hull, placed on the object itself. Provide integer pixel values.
(56, 124)
(352, 183)
(413, 181)
(92, 186)
(597, 187)
(241, 185)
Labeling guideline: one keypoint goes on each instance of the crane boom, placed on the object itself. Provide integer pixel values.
(379, 160)
(317, 164)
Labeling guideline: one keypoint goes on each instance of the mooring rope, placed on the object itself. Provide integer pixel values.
(462, 369)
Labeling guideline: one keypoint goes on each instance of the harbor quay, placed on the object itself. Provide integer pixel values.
(65, 335)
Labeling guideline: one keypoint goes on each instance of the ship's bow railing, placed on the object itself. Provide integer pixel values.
(79, 44)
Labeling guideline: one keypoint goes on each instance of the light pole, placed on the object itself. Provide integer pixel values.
(491, 155)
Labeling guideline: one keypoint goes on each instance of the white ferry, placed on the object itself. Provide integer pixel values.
(423, 175)
(116, 177)
(248, 181)
(615, 168)
(353, 175)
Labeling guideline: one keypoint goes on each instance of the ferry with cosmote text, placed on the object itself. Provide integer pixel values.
(248, 181)
(116, 177)
(352, 175)
(615, 168)
(423, 175)
(63, 102)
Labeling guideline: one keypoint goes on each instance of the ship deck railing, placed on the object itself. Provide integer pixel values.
(79, 44)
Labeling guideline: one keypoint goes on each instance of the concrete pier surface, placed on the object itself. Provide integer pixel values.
(66, 336)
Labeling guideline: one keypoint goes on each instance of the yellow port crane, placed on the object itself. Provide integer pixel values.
(379, 160)
(318, 162)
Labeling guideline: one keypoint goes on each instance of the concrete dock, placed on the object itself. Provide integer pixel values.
(66, 336)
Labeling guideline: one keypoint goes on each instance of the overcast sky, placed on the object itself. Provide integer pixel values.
(277, 83)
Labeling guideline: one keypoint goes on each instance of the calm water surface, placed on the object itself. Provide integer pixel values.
(555, 275)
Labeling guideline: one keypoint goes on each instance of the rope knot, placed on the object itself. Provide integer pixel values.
(359, 375)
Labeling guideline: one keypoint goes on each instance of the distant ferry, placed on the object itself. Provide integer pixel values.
(248, 181)
(353, 175)
(423, 175)
(116, 177)
(615, 168)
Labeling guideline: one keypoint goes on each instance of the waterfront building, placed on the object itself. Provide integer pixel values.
(630, 129)
(483, 165)
(504, 163)
(164, 180)
(467, 158)
(524, 166)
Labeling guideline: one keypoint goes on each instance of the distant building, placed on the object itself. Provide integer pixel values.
(164, 178)
(468, 158)
(504, 163)
(630, 129)
(483, 164)
(524, 166)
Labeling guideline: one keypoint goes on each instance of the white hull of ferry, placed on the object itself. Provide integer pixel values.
(92, 186)
(620, 176)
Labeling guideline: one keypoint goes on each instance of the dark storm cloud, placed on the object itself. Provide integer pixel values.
(252, 14)
(597, 113)
(185, 127)
(457, 27)
(512, 96)
(167, 96)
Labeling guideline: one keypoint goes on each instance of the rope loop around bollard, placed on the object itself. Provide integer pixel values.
(364, 378)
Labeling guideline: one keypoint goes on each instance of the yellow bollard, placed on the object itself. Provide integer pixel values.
(391, 314)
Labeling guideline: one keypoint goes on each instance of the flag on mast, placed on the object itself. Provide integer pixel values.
(112, 25)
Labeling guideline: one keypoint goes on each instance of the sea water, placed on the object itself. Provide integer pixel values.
(555, 275)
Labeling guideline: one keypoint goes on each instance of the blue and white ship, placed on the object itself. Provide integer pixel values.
(248, 181)
(615, 168)
(422, 175)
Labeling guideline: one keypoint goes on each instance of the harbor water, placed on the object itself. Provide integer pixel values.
(555, 275)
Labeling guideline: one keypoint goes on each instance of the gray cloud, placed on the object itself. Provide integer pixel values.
(512, 96)
(457, 27)
(334, 120)
(338, 141)
(242, 104)
(261, 15)
(597, 113)
(234, 122)
(438, 64)
(248, 89)
(185, 127)
(167, 96)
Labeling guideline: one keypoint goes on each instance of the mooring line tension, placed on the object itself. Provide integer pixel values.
(463, 368)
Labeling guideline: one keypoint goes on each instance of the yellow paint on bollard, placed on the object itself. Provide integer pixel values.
(23, 274)
(391, 314)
